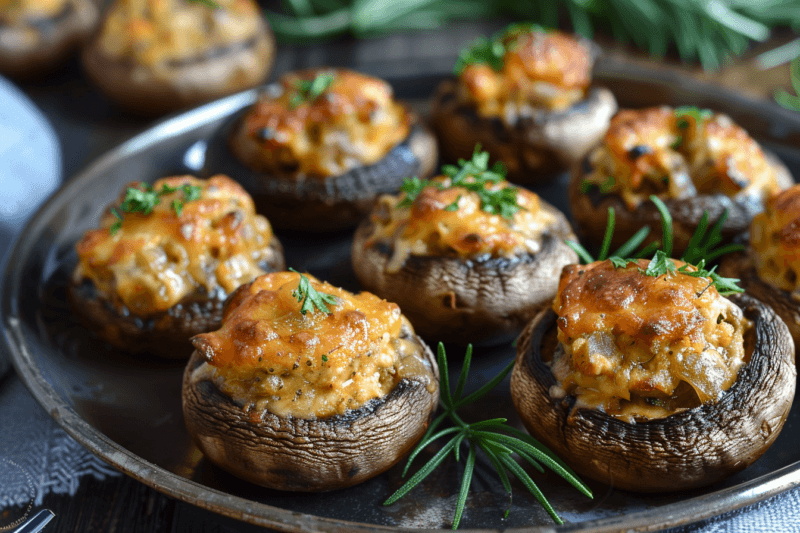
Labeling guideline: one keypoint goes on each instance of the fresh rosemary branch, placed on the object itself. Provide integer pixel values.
(708, 30)
(702, 249)
(473, 175)
(496, 439)
(143, 199)
(311, 297)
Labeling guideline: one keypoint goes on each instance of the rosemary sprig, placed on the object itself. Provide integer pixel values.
(496, 439)
(310, 90)
(708, 30)
(311, 297)
(473, 175)
(702, 249)
(791, 101)
(143, 199)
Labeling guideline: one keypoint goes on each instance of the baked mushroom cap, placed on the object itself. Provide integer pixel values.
(38, 46)
(319, 204)
(309, 454)
(467, 300)
(182, 83)
(543, 143)
(689, 449)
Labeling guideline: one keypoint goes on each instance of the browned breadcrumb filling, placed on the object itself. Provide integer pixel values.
(641, 347)
(775, 239)
(548, 70)
(354, 122)
(153, 261)
(450, 222)
(22, 12)
(159, 33)
(268, 355)
(658, 151)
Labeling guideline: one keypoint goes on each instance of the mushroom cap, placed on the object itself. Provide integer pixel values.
(456, 300)
(191, 82)
(164, 334)
(740, 265)
(590, 211)
(57, 38)
(309, 455)
(543, 143)
(320, 205)
(689, 449)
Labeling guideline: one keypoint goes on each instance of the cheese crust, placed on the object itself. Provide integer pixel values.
(153, 261)
(270, 355)
(674, 154)
(638, 346)
(447, 220)
(541, 69)
(775, 239)
(158, 34)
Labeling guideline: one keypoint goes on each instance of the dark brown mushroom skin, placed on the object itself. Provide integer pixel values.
(58, 37)
(308, 455)
(449, 299)
(164, 334)
(534, 147)
(740, 265)
(590, 212)
(320, 205)
(689, 449)
(152, 95)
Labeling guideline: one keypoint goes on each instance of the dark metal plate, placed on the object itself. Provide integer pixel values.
(127, 410)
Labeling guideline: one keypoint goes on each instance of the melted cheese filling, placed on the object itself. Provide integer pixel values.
(540, 71)
(640, 347)
(355, 122)
(23, 12)
(269, 356)
(655, 151)
(775, 239)
(159, 33)
(153, 261)
(450, 222)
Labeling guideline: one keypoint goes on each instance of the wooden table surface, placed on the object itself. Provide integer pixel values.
(88, 125)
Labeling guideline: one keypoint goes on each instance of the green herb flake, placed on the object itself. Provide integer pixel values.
(324, 358)
(699, 115)
(310, 90)
(208, 3)
(454, 205)
(142, 198)
(312, 298)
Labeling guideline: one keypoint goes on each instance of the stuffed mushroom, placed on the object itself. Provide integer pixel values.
(307, 387)
(467, 256)
(770, 268)
(35, 35)
(653, 383)
(525, 95)
(156, 56)
(320, 146)
(694, 160)
(160, 266)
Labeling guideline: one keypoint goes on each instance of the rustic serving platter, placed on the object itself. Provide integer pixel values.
(127, 410)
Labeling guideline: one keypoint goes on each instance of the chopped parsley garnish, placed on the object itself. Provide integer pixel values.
(491, 51)
(702, 249)
(311, 297)
(473, 175)
(696, 113)
(310, 90)
(143, 199)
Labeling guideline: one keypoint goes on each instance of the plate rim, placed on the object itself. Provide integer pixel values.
(678, 513)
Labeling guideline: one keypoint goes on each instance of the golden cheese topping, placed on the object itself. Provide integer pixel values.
(540, 69)
(775, 239)
(448, 220)
(346, 121)
(160, 33)
(678, 154)
(309, 365)
(23, 12)
(639, 346)
(150, 262)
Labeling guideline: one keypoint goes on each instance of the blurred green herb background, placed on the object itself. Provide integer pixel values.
(704, 30)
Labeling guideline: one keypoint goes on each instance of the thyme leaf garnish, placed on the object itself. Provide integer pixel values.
(311, 297)
(493, 437)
